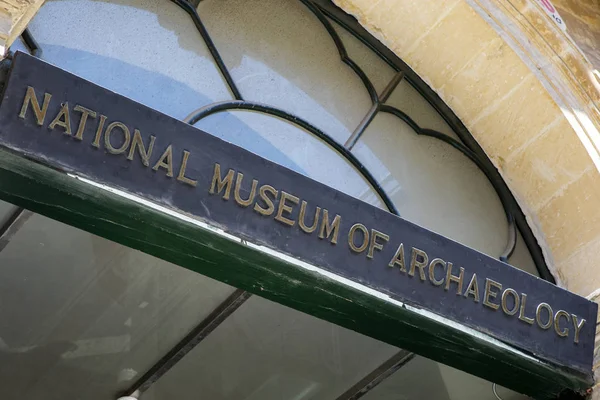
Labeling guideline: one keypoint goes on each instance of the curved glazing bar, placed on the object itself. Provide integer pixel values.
(203, 112)
(342, 51)
(191, 10)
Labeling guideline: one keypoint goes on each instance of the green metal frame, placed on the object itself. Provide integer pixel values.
(198, 248)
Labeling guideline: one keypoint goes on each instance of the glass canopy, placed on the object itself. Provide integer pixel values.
(83, 317)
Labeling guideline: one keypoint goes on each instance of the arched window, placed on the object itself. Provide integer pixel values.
(297, 82)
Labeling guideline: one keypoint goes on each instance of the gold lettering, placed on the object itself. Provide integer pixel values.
(398, 259)
(220, 184)
(181, 176)
(251, 196)
(31, 98)
(126, 134)
(453, 278)
(303, 216)
(96, 142)
(139, 144)
(85, 113)
(432, 265)
(577, 325)
(522, 316)
(285, 208)
(561, 332)
(374, 244)
(64, 123)
(489, 294)
(415, 263)
(330, 229)
(538, 315)
(473, 289)
(263, 195)
(515, 296)
(168, 164)
(365, 242)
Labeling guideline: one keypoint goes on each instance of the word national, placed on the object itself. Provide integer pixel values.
(114, 136)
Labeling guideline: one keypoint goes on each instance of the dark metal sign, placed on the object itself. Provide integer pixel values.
(72, 124)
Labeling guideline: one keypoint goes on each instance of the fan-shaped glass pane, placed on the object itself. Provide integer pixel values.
(434, 185)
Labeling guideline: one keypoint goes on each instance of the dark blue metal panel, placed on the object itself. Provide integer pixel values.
(51, 137)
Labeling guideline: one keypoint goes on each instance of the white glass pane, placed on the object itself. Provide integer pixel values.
(281, 55)
(521, 257)
(407, 99)
(82, 317)
(434, 185)
(265, 351)
(292, 147)
(377, 70)
(149, 51)
(425, 379)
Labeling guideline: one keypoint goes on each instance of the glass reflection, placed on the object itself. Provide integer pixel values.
(6, 210)
(425, 379)
(85, 316)
(265, 351)
(149, 51)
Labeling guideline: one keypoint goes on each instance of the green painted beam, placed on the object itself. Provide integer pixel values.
(198, 248)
